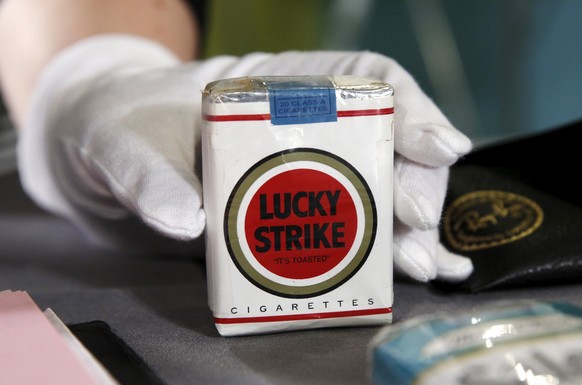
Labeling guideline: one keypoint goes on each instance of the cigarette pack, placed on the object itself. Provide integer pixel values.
(297, 176)
(503, 342)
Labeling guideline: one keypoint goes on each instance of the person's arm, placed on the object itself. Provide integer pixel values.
(32, 32)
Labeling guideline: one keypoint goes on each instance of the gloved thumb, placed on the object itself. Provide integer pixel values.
(169, 199)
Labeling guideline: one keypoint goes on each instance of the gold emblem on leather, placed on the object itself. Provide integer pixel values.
(490, 218)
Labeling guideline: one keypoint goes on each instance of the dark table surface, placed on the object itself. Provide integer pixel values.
(158, 306)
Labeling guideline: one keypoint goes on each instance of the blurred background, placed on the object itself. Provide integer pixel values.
(497, 68)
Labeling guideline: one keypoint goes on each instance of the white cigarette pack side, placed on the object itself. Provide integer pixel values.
(297, 176)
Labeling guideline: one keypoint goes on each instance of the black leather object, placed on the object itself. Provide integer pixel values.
(516, 210)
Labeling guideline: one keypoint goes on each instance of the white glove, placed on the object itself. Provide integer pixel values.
(110, 133)
(114, 130)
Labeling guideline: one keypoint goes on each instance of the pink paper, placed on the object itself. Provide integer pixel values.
(31, 350)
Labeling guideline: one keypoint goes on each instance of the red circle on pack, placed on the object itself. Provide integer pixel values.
(301, 223)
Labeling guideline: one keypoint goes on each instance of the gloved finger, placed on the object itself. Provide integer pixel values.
(420, 255)
(419, 193)
(452, 267)
(169, 199)
(106, 199)
(158, 181)
(431, 144)
(415, 252)
(165, 193)
(421, 131)
(145, 157)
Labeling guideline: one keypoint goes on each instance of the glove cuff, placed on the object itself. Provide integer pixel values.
(78, 63)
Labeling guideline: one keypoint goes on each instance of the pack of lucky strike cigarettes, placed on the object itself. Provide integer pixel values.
(297, 176)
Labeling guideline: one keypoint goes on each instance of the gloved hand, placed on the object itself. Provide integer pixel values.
(114, 129)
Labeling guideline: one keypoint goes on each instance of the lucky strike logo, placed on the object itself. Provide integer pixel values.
(300, 223)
